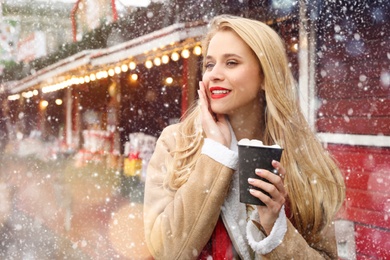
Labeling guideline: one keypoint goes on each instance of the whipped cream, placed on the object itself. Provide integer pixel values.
(256, 143)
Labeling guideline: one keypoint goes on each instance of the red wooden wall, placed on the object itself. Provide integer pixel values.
(353, 70)
(367, 177)
(353, 89)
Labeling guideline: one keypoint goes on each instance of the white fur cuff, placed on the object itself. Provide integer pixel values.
(220, 153)
(256, 239)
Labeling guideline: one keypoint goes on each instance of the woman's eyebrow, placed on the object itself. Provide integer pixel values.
(226, 55)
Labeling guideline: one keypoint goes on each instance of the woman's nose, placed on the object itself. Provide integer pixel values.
(216, 73)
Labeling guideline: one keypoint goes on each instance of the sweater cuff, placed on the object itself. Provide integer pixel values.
(220, 153)
(275, 238)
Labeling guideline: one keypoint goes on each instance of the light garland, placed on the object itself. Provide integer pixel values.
(119, 68)
(13, 97)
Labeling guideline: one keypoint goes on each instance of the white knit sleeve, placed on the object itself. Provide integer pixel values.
(220, 153)
(256, 238)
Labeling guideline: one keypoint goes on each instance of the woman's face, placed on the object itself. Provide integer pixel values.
(232, 75)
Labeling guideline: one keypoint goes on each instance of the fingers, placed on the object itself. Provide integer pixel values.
(216, 126)
(279, 170)
(204, 103)
(204, 106)
(275, 187)
(203, 98)
(221, 118)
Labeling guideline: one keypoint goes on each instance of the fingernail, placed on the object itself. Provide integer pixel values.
(251, 180)
(275, 161)
(259, 171)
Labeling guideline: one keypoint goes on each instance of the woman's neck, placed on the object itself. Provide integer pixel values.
(249, 126)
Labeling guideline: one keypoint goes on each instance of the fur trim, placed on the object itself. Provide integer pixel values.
(220, 153)
(256, 238)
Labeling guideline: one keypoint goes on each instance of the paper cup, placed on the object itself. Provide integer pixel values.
(251, 158)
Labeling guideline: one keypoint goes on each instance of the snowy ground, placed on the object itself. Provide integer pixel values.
(60, 211)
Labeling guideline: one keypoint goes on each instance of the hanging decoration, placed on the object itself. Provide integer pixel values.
(149, 60)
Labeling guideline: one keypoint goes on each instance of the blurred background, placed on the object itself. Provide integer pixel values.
(86, 87)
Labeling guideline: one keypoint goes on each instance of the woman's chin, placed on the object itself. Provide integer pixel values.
(219, 109)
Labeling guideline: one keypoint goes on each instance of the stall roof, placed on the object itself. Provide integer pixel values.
(48, 73)
(138, 46)
(95, 58)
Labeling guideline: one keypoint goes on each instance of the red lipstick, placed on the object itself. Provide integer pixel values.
(218, 92)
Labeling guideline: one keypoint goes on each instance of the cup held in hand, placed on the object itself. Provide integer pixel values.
(252, 156)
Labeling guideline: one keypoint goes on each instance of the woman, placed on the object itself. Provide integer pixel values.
(192, 208)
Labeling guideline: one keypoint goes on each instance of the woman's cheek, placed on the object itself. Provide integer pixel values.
(205, 79)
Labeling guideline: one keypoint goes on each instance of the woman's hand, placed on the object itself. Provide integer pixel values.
(215, 126)
(277, 190)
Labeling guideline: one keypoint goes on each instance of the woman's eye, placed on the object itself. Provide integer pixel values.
(209, 65)
(231, 63)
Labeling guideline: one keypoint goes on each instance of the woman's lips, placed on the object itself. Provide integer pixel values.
(219, 92)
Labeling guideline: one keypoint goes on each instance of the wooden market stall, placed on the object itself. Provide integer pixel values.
(95, 99)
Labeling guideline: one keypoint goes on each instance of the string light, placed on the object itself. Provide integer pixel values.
(14, 97)
(169, 80)
(132, 65)
(27, 94)
(43, 104)
(157, 61)
(98, 75)
(175, 56)
(124, 68)
(165, 59)
(197, 50)
(58, 101)
(148, 64)
(134, 77)
(185, 53)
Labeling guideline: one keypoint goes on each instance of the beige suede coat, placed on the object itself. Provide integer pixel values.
(179, 224)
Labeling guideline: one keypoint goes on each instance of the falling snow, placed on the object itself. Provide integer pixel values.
(77, 192)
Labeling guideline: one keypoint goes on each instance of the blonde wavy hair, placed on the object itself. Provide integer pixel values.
(315, 185)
